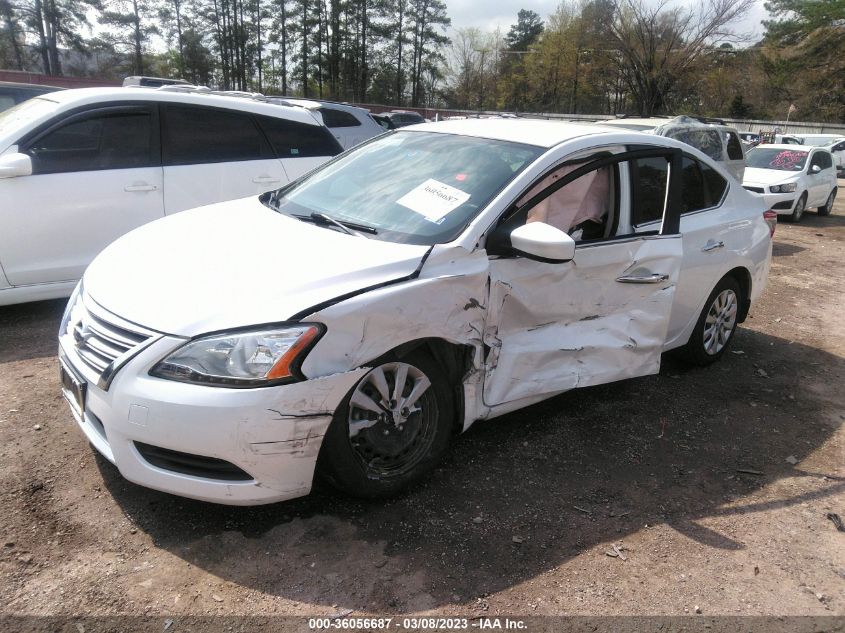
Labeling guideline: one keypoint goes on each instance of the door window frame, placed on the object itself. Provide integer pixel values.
(267, 152)
(513, 217)
(88, 112)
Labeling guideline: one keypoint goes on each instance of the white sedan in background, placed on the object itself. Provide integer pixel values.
(354, 321)
(792, 178)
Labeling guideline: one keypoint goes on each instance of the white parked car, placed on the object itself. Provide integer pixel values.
(79, 168)
(432, 277)
(349, 124)
(792, 178)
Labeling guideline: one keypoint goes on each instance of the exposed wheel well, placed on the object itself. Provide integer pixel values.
(456, 361)
(743, 278)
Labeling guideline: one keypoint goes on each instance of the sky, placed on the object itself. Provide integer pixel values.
(487, 15)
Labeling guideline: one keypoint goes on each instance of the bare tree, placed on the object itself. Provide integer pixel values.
(658, 44)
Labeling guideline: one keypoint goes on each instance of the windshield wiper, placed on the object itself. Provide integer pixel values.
(349, 228)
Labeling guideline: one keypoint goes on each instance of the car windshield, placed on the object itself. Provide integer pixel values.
(780, 159)
(23, 113)
(410, 187)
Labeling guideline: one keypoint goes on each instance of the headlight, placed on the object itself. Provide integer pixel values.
(787, 188)
(255, 358)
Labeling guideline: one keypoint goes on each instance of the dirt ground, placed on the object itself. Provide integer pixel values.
(714, 484)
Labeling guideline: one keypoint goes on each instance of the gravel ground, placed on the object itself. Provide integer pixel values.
(696, 490)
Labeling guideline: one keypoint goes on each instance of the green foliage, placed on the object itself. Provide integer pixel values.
(528, 27)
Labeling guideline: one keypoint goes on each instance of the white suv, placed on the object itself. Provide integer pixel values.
(349, 124)
(79, 168)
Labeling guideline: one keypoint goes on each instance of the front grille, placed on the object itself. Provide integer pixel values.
(103, 341)
(754, 189)
(189, 464)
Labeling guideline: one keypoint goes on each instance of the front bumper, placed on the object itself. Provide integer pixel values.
(272, 434)
(780, 203)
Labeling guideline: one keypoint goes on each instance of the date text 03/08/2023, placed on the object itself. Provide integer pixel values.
(417, 624)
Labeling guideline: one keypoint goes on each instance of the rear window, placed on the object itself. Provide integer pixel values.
(206, 135)
(708, 141)
(338, 118)
(734, 147)
(703, 187)
(292, 139)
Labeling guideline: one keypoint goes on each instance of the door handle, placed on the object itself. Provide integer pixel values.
(141, 186)
(654, 278)
(265, 179)
(712, 246)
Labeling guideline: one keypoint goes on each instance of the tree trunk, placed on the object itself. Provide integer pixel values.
(136, 23)
(42, 37)
(401, 15)
(177, 5)
(334, 49)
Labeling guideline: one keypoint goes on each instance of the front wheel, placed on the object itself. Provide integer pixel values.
(798, 211)
(828, 206)
(391, 429)
(716, 325)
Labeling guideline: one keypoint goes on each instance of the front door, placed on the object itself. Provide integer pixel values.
(95, 176)
(602, 316)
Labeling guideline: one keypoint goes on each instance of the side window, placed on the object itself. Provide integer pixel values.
(649, 180)
(291, 138)
(716, 185)
(826, 160)
(584, 208)
(703, 187)
(734, 147)
(338, 118)
(107, 141)
(207, 135)
(822, 159)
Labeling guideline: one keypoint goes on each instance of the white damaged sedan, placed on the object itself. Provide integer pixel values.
(352, 322)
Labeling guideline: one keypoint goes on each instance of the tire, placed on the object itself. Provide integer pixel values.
(373, 454)
(716, 324)
(828, 206)
(799, 209)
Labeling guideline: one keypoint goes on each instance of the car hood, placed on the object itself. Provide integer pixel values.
(759, 176)
(234, 264)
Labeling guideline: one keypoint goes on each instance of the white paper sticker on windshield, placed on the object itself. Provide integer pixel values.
(433, 200)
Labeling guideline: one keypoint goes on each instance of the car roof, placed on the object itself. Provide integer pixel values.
(90, 96)
(317, 103)
(535, 132)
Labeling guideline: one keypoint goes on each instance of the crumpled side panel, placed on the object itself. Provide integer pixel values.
(554, 327)
(447, 302)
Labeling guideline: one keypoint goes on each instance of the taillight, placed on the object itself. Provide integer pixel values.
(771, 219)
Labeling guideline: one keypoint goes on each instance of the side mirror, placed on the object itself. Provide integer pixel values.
(13, 165)
(542, 242)
(815, 169)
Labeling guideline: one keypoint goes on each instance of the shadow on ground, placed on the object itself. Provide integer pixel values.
(588, 467)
